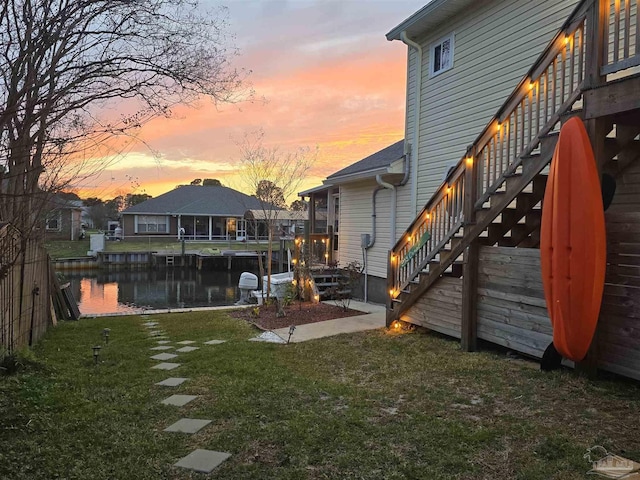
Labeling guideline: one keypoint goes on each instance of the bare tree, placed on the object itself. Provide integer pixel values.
(273, 175)
(64, 63)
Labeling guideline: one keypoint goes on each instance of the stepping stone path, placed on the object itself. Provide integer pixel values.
(172, 382)
(166, 366)
(188, 425)
(179, 400)
(203, 461)
(199, 460)
(187, 349)
(164, 356)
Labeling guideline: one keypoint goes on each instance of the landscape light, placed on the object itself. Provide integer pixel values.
(105, 334)
(96, 353)
(291, 330)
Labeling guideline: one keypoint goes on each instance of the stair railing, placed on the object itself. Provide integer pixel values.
(622, 31)
(551, 88)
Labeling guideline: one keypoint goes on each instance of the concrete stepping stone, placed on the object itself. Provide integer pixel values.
(161, 347)
(203, 461)
(268, 337)
(150, 324)
(186, 342)
(178, 400)
(172, 382)
(187, 349)
(214, 342)
(162, 342)
(166, 366)
(163, 356)
(188, 425)
(156, 333)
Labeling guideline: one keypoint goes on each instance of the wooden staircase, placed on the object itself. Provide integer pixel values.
(494, 195)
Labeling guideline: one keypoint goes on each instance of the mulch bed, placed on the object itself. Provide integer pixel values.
(296, 314)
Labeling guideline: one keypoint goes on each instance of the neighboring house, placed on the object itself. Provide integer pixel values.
(489, 85)
(289, 223)
(205, 213)
(358, 202)
(63, 219)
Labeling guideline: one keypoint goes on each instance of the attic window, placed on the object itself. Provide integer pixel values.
(441, 56)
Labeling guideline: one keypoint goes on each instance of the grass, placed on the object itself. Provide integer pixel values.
(370, 405)
(79, 248)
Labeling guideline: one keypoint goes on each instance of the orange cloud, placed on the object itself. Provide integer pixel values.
(349, 107)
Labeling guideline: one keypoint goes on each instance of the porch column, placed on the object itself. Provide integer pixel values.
(210, 228)
(468, 334)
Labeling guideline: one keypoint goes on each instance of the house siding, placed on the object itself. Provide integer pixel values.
(355, 219)
(495, 45)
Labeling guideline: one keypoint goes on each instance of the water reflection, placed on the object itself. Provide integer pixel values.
(126, 291)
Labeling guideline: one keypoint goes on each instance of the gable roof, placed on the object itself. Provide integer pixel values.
(197, 200)
(376, 164)
(431, 16)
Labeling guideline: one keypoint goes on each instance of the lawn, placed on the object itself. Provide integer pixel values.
(79, 248)
(362, 406)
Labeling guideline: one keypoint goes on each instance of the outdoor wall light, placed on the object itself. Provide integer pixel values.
(105, 335)
(291, 330)
(469, 161)
(96, 353)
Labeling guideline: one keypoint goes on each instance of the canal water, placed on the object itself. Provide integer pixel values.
(132, 291)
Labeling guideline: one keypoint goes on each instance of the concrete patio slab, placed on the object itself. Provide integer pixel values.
(214, 342)
(163, 356)
(186, 342)
(203, 461)
(166, 366)
(172, 382)
(373, 317)
(162, 347)
(188, 425)
(179, 400)
(187, 349)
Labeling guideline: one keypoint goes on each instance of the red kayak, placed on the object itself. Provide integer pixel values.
(573, 242)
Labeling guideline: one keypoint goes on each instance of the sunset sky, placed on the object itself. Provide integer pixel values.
(324, 75)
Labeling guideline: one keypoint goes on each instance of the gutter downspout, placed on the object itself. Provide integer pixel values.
(416, 120)
(372, 239)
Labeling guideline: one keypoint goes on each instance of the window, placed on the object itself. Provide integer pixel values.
(54, 222)
(441, 56)
(152, 224)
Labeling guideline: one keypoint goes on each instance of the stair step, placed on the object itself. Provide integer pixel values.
(327, 284)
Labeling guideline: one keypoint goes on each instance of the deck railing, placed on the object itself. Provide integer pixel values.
(552, 87)
(621, 50)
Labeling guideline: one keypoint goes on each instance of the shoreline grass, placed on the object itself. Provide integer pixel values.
(79, 248)
(368, 405)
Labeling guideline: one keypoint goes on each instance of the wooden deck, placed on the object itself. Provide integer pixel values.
(486, 214)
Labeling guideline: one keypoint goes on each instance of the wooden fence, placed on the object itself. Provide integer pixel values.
(25, 300)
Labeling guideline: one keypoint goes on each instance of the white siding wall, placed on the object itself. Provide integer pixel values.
(496, 43)
(355, 219)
